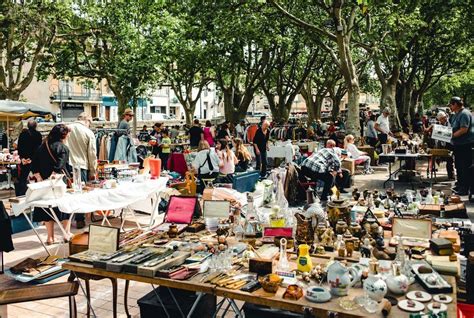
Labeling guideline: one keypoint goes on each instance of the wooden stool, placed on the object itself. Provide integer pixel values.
(50, 291)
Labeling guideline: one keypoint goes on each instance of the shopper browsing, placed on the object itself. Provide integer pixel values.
(243, 155)
(82, 152)
(383, 126)
(165, 149)
(227, 158)
(28, 143)
(52, 158)
(260, 147)
(196, 134)
(462, 140)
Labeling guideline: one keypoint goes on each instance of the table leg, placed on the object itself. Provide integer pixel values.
(114, 296)
(36, 232)
(175, 302)
(389, 174)
(88, 296)
(154, 213)
(161, 301)
(72, 307)
(125, 298)
(236, 308)
(196, 302)
(218, 307)
(89, 304)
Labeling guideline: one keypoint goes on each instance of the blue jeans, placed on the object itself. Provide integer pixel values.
(84, 178)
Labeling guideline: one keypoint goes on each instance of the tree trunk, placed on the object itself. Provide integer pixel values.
(280, 113)
(122, 102)
(9, 94)
(235, 107)
(414, 102)
(388, 100)
(336, 106)
(352, 120)
(189, 110)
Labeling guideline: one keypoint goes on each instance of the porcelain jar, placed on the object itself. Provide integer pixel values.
(340, 278)
(397, 283)
(374, 285)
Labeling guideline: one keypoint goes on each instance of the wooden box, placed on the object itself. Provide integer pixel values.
(414, 232)
(432, 209)
(79, 243)
(349, 164)
(453, 236)
(456, 210)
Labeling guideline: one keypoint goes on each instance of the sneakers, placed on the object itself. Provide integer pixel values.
(369, 171)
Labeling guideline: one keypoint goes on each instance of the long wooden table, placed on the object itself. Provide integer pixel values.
(260, 297)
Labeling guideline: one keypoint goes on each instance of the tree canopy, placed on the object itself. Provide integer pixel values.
(416, 52)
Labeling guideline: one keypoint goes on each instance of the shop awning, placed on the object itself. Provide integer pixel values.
(111, 101)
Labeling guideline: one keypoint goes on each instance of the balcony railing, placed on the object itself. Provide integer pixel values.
(64, 96)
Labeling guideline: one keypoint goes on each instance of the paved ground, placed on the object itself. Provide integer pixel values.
(27, 245)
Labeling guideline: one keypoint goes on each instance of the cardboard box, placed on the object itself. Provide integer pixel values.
(349, 164)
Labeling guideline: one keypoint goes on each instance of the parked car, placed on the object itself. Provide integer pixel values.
(159, 116)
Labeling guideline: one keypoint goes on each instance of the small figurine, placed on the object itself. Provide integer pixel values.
(247, 255)
(366, 248)
(349, 248)
(327, 237)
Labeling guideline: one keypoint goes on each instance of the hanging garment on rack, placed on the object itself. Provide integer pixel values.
(125, 150)
(103, 148)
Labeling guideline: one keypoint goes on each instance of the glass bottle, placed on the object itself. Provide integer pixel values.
(283, 264)
(429, 197)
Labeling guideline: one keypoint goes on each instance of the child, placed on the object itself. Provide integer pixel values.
(165, 149)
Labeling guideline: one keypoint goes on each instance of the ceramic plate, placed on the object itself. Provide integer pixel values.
(403, 304)
(445, 301)
(437, 310)
(423, 298)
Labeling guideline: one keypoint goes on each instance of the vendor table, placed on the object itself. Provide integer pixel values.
(286, 151)
(401, 157)
(261, 297)
(127, 195)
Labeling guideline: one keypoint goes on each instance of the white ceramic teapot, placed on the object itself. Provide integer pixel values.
(340, 278)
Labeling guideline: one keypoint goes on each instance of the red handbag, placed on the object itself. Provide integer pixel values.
(181, 210)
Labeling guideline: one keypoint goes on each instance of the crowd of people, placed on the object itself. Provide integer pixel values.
(223, 150)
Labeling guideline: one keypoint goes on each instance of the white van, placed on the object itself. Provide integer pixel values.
(159, 117)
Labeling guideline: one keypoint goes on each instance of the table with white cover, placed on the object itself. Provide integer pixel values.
(127, 196)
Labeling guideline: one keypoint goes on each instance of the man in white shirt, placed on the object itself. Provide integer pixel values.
(240, 129)
(82, 152)
(382, 126)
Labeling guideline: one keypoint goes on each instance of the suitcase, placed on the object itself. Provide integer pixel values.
(150, 307)
(245, 181)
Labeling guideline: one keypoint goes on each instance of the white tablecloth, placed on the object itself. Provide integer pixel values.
(285, 150)
(126, 194)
